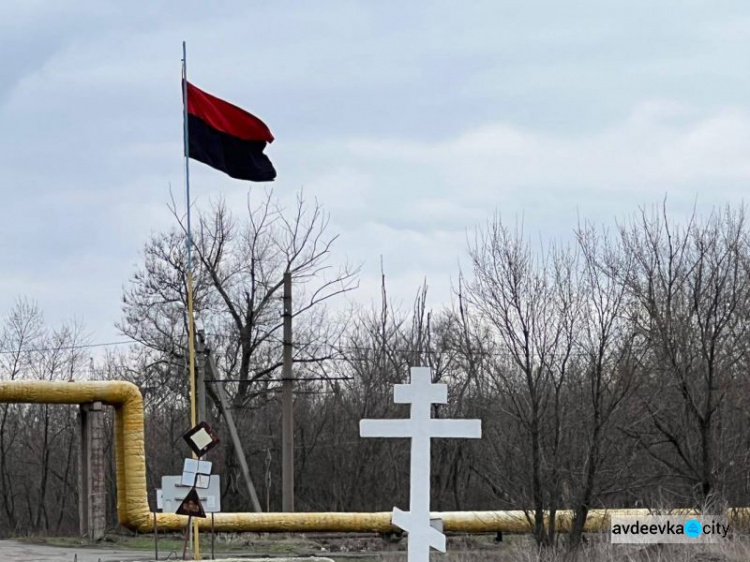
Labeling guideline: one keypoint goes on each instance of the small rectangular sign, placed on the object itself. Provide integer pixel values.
(174, 493)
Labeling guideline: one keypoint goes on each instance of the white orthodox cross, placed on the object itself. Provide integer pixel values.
(420, 428)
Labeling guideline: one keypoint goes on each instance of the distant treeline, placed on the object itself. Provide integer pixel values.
(608, 372)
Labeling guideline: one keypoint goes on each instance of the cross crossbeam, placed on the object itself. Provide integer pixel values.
(406, 429)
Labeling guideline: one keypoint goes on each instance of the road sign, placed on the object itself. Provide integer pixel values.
(196, 473)
(173, 492)
(201, 439)
(191, 505)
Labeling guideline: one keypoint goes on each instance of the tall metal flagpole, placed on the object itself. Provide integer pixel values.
(191, 320)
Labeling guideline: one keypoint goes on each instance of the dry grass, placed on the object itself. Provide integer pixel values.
(737, 550)
(468, 548)
(481, 548)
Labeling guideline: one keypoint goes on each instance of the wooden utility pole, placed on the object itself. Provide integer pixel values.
(287, 404)
(200, 375)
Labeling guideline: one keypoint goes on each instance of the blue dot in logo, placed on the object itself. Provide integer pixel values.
(693, 528)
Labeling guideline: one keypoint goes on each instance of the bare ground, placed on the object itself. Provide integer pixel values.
(370, 548)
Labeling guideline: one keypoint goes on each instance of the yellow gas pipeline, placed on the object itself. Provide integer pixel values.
(132, 499)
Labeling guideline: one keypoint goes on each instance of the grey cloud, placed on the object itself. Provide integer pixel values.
(408, 121)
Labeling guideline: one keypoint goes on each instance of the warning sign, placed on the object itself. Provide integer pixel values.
(201, 439)
(191, 505)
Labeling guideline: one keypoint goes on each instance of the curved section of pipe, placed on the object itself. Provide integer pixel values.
(130, 458)
(132, 499)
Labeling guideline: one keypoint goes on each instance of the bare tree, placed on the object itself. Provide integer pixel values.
(22, 331)
(609, 354)
(530, 306)
(692, 288)
(37, 441)
(239, 270)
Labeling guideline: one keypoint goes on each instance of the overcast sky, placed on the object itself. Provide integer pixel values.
(410, 121)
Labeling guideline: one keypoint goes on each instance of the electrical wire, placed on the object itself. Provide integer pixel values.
(65, 347)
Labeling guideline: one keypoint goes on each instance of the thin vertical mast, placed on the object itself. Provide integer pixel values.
(191, 320)
(187, 155)
(191, 323)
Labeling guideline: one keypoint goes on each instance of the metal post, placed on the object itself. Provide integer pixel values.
(156, 539)
(187, 537)
(191, 318)
(287, 401)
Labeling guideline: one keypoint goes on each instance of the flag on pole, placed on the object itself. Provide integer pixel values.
(227, 138)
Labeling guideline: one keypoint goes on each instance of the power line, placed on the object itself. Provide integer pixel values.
(342, 349)
(302, 379)
(449, 350)
(443, 351)
(65, 347)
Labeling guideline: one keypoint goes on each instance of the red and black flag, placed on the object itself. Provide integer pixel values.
(227, 138)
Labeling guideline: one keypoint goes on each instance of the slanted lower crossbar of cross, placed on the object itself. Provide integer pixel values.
(421, 393)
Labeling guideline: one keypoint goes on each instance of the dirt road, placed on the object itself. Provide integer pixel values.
(14, 551)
